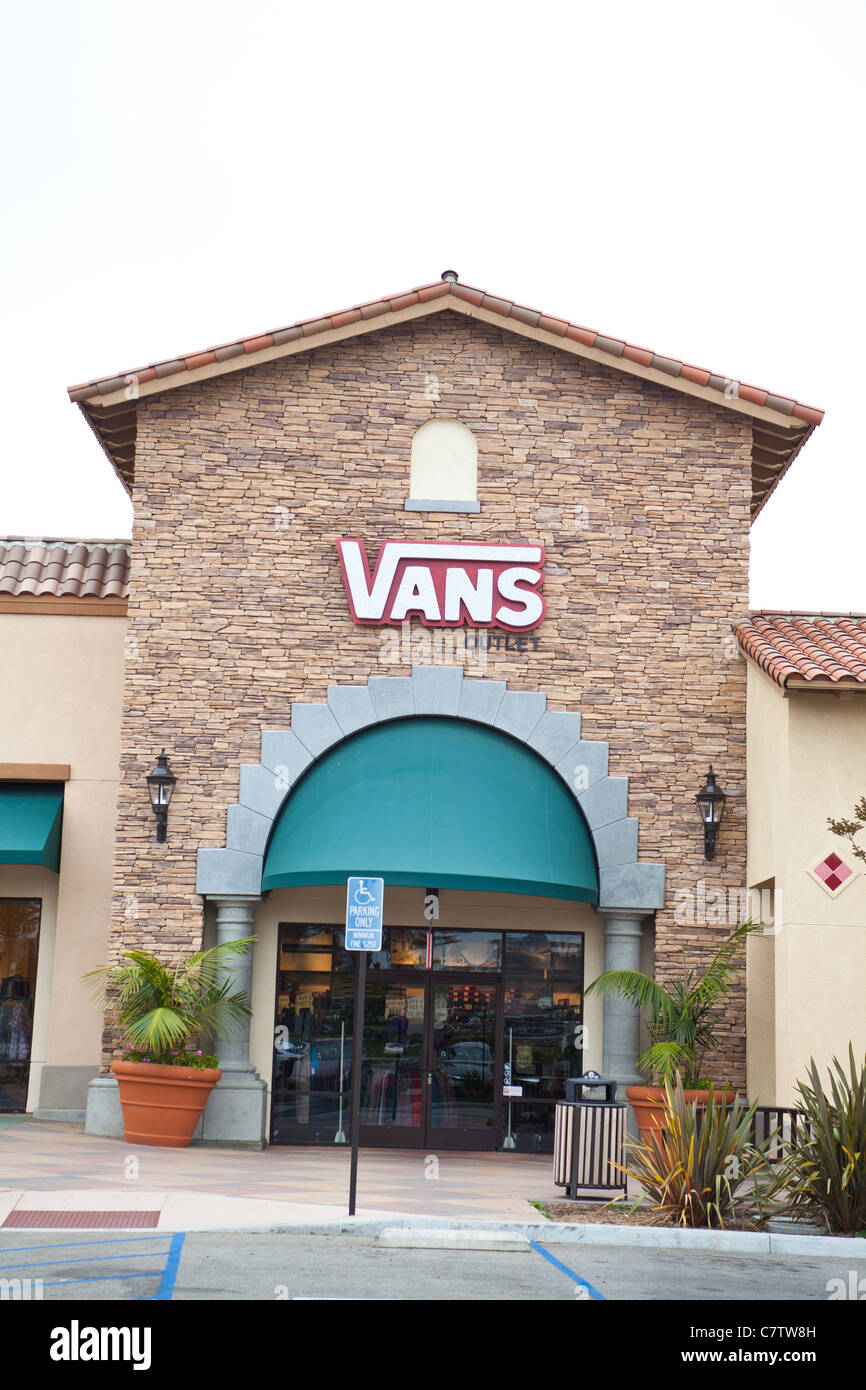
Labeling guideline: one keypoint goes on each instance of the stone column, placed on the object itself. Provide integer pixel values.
(621, 1027)
(236, 1111)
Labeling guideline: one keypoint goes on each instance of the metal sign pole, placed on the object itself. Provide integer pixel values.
(357, 1050)
(339, 1137)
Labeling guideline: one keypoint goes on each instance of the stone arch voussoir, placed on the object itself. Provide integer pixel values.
(624, 882)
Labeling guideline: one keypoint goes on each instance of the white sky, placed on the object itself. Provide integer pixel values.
(685, 176)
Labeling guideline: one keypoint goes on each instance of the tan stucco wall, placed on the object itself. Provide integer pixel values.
(768, 801)
(62, 686)
(404, 907)
(807, 761)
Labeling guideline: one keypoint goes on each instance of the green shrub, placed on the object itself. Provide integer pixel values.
(682, 1013)
(165, 1009)
(823, 1178)
(694, 1169)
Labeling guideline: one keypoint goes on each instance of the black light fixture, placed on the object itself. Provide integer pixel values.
(161, 784)
(711, 804)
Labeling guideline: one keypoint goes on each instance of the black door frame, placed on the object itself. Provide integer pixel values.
(425, 1135)
(400, 1136)
(484, 1140)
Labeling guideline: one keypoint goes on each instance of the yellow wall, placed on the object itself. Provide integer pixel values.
(61, 702)
(807, 981)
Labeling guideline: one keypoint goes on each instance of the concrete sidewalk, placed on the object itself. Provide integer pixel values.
(54, 1176)
(55, 1167)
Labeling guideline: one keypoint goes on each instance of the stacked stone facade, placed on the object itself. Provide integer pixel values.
(243, 485)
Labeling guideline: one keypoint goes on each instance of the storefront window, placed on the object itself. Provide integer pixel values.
(438, 1048)
(467, 950)
(19, 948)
(393, 1055)
(312, 1038)
(543, 1042)
(402, 948)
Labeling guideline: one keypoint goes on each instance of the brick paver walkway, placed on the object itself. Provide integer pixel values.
(52, 1166)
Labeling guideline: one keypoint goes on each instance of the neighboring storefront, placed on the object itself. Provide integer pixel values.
(807, 763)
(62, 627)
(438, 589)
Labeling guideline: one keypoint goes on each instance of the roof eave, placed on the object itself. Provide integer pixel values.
(110, 404)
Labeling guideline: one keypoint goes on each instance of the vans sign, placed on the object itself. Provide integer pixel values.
(445, 585)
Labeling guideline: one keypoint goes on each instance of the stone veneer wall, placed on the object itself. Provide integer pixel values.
(243, 485)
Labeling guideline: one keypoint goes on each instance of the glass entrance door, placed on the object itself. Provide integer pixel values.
(451, 1018)
(463, 1098)
(393, 1063)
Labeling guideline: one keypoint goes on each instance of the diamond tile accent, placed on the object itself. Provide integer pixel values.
(832, 873)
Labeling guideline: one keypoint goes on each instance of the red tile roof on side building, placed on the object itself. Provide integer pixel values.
(807, 650)
(58, 569)
(781, 425)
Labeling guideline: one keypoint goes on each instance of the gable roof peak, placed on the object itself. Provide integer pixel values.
(781, 424)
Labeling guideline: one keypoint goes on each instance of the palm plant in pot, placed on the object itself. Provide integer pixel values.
(681, 1018)
(165, 1012)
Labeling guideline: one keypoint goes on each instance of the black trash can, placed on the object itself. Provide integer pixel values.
(589, 1140)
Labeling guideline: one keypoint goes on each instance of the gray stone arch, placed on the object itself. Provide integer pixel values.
(624, 882)
(231, 877)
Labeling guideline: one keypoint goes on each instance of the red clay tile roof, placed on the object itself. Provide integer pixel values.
(776, 442)
(64, 569)
(795, 648)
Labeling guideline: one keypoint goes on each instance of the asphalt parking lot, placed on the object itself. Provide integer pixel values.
(161, 1266)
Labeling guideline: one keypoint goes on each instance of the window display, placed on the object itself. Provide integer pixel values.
(458, 1053)
(19, 947)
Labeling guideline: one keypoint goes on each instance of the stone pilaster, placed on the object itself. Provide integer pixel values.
(623, 930)
(236, 1111)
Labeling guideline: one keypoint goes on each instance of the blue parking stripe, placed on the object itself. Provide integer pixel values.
(593, 1292)
(67, 1244)
(89, 1259)
(166, 1288)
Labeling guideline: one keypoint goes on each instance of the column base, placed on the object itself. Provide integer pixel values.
(236, 1113)
(103, 1115)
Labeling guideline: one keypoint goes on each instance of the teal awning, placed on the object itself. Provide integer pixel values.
(31, 815)
(438, 803)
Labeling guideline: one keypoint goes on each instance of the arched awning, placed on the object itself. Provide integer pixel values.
(434, 802)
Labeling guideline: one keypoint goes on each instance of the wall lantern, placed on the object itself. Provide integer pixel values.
(711, 804)
(161, 784)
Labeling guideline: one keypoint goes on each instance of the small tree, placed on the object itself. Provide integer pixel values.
(681, 1013)
(849, 828)
(164, 1009)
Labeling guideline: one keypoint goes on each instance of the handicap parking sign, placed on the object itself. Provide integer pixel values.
(364, 900)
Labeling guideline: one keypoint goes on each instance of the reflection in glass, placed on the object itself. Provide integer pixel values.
(312, 1038)
(526, 1015)
(19, 948)
(543, 953)
(297, 938)
(541, 1041)
(393, 1054)
(402, 948)
(464, 1049)
(467, 950)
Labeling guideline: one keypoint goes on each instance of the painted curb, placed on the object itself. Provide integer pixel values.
(549, 1232)
(439, 1238)
(565, 1233)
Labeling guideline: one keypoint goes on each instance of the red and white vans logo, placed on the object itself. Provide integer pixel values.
(446, 585)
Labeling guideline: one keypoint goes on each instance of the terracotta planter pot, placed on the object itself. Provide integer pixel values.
(648, 1104)
(161, 1105)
